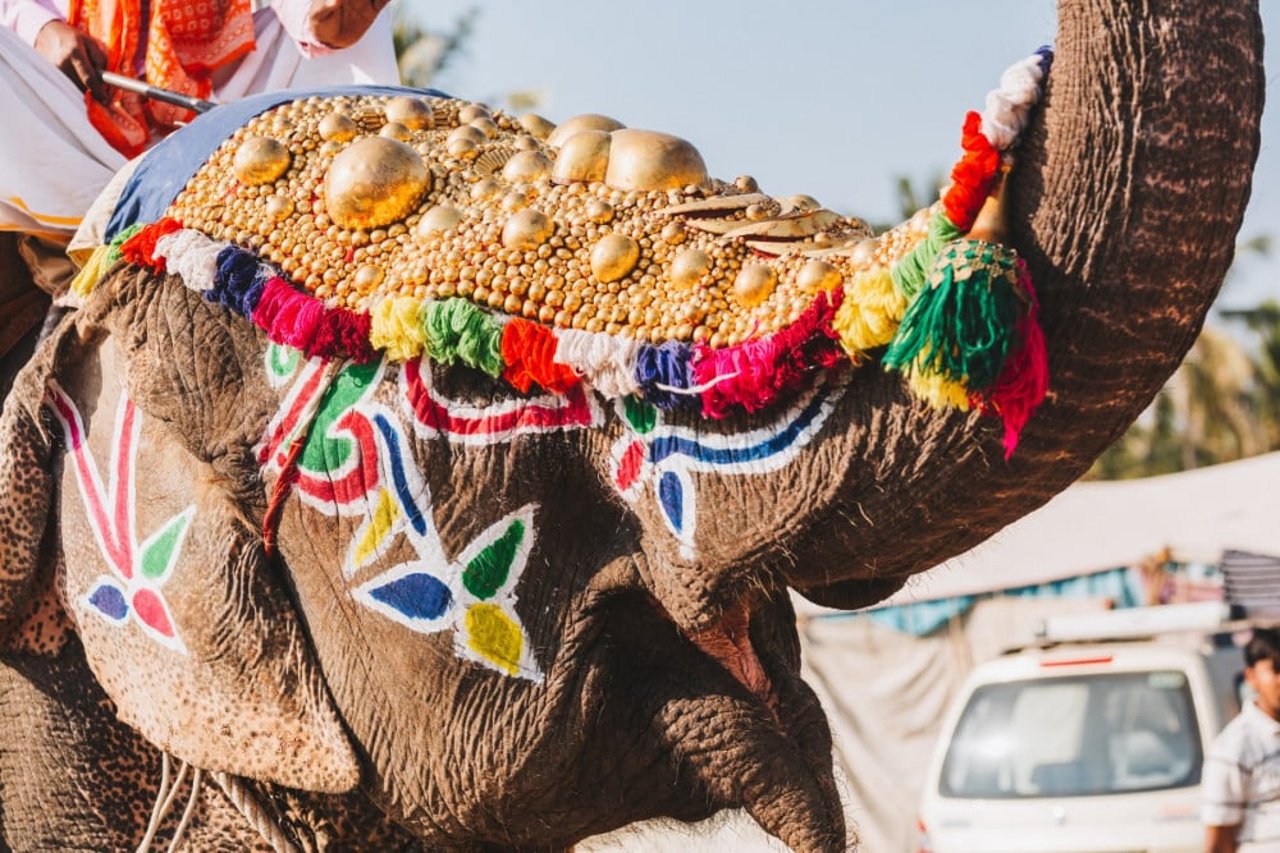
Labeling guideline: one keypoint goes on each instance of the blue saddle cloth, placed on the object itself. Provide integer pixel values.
(166, 168)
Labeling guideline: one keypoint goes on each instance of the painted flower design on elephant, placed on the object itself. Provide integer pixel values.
(666, 456)
(138, 571)
(349, 455)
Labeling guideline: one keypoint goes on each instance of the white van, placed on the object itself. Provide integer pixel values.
(1087, 747)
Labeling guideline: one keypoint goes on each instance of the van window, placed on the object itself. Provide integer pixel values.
(1075, 736)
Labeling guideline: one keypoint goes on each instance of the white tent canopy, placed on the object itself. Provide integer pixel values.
(1095, 526)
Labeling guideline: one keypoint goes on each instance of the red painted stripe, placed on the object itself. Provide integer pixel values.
(574, 411)
(123, 453)
(98, 517)
(1048, 664)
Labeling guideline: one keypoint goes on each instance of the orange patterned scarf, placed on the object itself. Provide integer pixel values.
(186, 41)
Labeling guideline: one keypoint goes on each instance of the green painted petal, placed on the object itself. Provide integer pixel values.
(324, 452)
(161, 550)
(283, 360)
(487, 571)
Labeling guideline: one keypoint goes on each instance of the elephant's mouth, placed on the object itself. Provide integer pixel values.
(728, 643)
(769, 750)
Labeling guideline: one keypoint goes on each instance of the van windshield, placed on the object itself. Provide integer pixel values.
(1075, 736)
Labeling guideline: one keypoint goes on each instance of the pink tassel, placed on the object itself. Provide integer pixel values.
(754, 374)
(288, 316)
(1024, 381)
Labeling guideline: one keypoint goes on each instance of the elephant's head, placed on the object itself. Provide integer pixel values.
(522, 615)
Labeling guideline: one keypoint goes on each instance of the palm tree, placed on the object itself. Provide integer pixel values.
(421, 53)
(1222, 403)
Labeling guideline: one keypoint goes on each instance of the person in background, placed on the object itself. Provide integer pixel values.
(65, 133)
(1240, 787)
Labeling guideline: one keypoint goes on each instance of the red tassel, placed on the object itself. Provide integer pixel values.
(140, 249)
(973, 177)
(1024, 381)
(343, 334)
(529, 350)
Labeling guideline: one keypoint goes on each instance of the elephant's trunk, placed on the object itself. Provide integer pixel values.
(1126, 201)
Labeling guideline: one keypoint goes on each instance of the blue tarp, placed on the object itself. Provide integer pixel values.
(1122, 586)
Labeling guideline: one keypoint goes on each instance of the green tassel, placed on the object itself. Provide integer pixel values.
(113, 253)
(961, 325)
(910, 273)
(456, 330)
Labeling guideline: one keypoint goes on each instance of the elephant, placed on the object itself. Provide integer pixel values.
(257, 597)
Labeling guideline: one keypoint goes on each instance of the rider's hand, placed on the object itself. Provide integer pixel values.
(75, 54)
(341, 23)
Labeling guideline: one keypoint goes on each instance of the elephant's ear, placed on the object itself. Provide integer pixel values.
(184, 621)
(31, 618)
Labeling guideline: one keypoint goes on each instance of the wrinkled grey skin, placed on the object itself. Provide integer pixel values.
(670, 685)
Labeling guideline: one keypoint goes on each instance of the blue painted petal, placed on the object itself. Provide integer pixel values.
(110, 602)
(417, 596)
(671, 496)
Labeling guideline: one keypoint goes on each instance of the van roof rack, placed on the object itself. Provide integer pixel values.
(1135, 622)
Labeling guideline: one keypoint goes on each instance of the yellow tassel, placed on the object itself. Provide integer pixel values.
(396, 327)
(870, 313)
(91, 273)
(938, 391)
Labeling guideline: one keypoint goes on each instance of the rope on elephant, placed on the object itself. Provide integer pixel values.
(196, 779)
(164, 800)
(253, 811)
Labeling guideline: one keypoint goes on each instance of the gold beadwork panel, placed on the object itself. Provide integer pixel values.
(588, 225)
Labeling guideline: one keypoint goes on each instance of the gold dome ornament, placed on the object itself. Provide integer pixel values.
(439, 219)
(396, 130)
(470, 112)
(754, 284)
(527, 229)
(583, 157)
(818, 275)
(260, 160)
(598, 210)
(368, 277)
(614, 257)
(577, 124)
(279, 207)
(536, 126)
(413, 113)
(374, 182)
(526, 167)
(338, 127)
(647, 160)
(689, 266)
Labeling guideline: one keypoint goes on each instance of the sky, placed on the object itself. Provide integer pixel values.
(832, 99)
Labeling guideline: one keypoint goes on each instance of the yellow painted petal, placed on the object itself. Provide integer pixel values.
(379, 526)
(492, 634)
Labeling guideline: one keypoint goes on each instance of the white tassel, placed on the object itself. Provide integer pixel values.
(606, 362)
(191, 255)
(1009, 106)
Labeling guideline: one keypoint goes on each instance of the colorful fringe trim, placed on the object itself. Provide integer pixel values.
(957, 316)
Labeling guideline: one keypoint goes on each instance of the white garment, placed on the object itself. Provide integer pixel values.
(53, 164)
(1241, 781)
